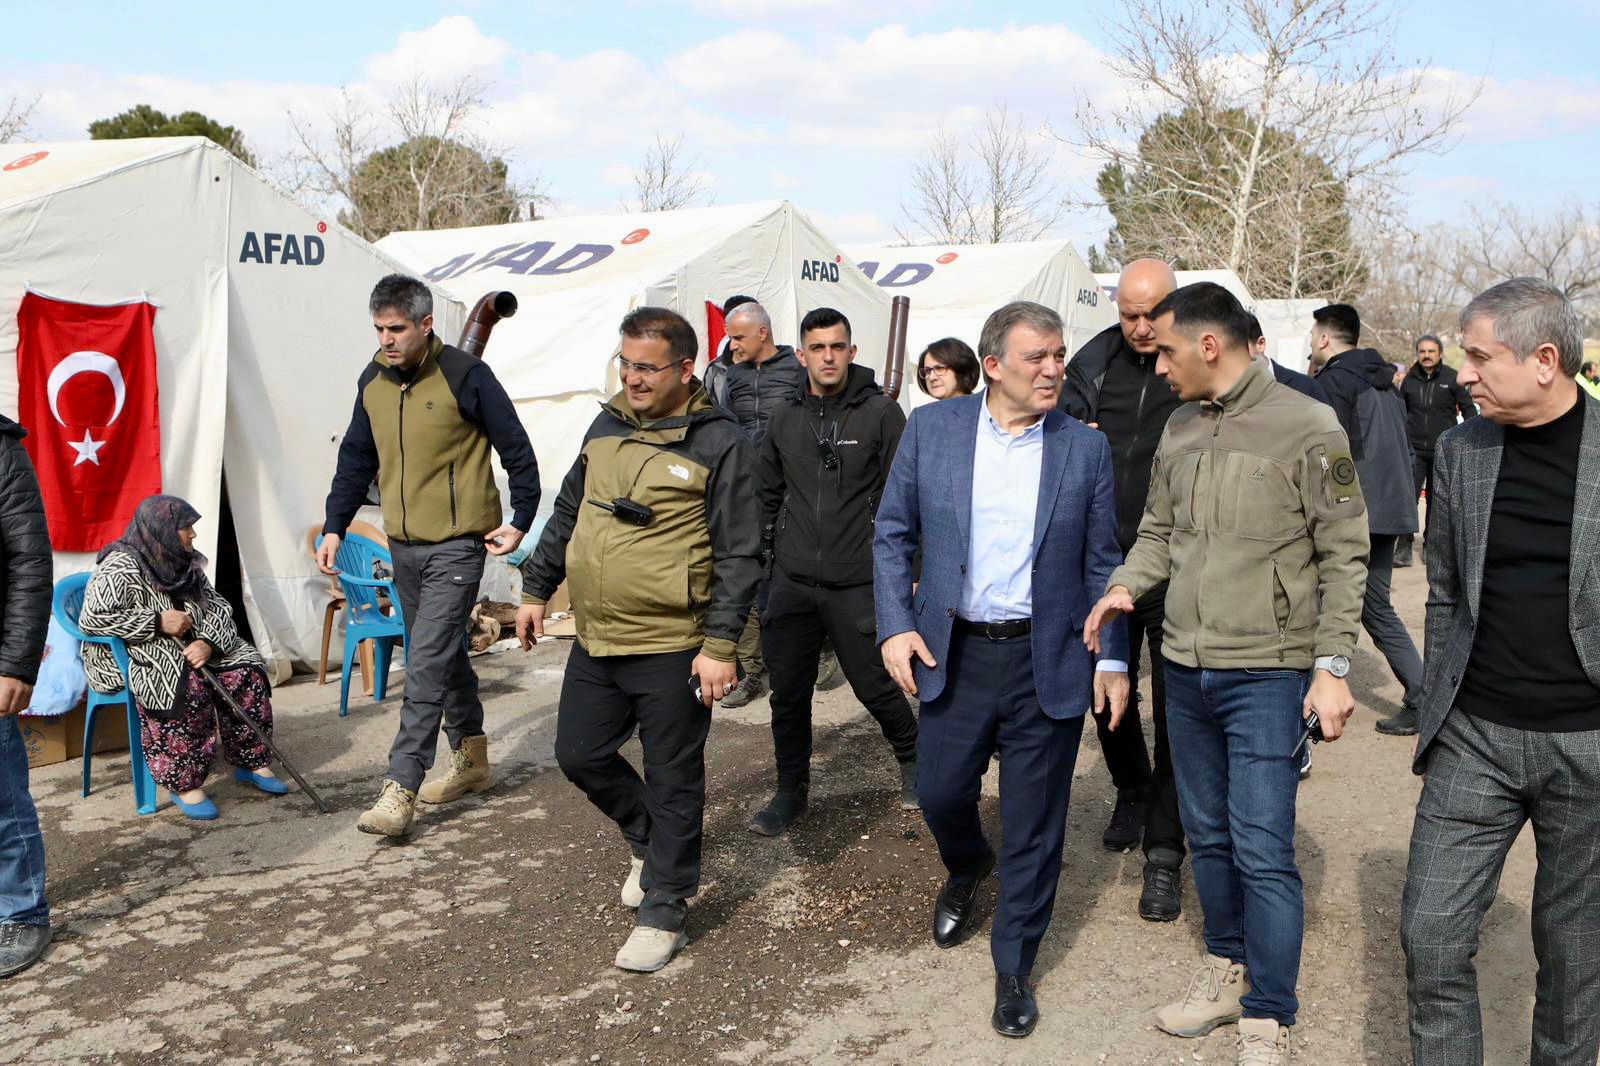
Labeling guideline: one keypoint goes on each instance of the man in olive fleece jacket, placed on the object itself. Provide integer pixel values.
(426, 419)
(1255, 518)
(657, 533)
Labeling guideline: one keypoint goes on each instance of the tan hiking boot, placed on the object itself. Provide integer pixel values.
(392, 815)
(632, 890)
(1263, 1042)
(469, 772)
(1212, 999)
(648, 950)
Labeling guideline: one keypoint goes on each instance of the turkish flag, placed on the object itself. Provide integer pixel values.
(716, 330)
(86, 378)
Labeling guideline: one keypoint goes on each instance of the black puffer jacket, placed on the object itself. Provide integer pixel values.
(25, 580)
(1360, 388)
(752, 392)
(1432, 402)
(1109, 383)
(821, 519)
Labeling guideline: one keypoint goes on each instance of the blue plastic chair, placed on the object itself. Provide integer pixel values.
(67, 604)
(364, 615)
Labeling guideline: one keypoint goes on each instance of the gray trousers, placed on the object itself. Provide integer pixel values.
(1383, 625)
(1484, 782)
(438, 584)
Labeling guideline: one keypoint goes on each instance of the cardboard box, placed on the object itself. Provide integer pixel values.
(57, 739)
(45, 739)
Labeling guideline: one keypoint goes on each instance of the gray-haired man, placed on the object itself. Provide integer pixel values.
(426, 418)
(1510, 716)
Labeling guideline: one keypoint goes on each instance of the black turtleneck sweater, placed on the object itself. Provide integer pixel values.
(1524, 671)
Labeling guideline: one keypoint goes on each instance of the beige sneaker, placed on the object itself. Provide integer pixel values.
(469, 772)
(1212, 999)
(392, 815)
(1263, 1042)
(632, 890)
(648, 950)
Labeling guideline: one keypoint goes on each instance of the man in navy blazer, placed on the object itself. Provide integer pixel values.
(993, 489)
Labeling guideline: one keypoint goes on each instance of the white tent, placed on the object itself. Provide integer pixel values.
(953, 288)
(257, 347)
(575, 278)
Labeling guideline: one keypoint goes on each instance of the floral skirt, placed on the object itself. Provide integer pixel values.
(181, 749)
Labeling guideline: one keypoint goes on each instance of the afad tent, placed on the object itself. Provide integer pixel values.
(260, 330)
(575, 278)
(954, 288)
(1281, 320)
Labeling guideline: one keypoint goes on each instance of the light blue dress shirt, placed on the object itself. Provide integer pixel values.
(1005, 500)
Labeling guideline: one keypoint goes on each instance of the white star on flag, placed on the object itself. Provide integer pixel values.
(88, 449)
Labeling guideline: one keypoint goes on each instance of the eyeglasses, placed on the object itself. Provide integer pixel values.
(926, 372)
(623, 366)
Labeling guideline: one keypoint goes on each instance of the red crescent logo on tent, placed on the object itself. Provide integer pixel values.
(948, 257)
(322, 227)
(838, 259)
(636, 236)
(25, 160)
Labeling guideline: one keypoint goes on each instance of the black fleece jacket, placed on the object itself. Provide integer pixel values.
(1432, 402)
(1109, 383)
(820, 517)
(26, 574)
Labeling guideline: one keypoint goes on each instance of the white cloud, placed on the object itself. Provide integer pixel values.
(619, 177)
(784, 180)
(852, 227)
(451, 48)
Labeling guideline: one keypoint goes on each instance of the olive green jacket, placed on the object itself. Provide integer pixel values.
(427, 438)
(1255, 516)
(687, 579)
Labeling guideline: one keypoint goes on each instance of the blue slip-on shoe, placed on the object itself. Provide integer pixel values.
(204, 811)
(272, 786)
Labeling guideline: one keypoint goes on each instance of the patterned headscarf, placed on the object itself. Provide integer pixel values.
(152, 538)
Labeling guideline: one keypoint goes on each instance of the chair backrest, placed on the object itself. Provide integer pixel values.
(67, 604)
(358, 557)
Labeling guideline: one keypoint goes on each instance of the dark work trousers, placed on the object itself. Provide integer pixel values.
(1383, 625)
(438, 584)
(798, 617)
(989, 704)
(1123, 747)
(603, 700)
(1422, 476)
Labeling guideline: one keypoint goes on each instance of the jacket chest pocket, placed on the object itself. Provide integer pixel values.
(1186, 477)
(1256, 497)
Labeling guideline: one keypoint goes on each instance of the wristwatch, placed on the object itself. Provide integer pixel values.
(1337, 665)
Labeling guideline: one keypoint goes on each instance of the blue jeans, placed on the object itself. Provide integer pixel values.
(21, 843)
(1233, 733)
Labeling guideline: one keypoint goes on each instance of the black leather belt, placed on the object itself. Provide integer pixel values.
(996, 631)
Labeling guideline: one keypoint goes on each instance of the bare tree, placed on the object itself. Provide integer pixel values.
(413, 162)
(1412, 288)
(15, 118)
(1562, 246)
(664, 180)
(996, 186)
(1282, 116)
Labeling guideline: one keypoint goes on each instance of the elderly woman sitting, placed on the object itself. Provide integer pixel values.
(150, 589)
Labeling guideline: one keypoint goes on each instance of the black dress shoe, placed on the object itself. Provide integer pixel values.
(1404, 724)
(1015, 1011)
(952, 911)
(782, 811)
(1162, 898)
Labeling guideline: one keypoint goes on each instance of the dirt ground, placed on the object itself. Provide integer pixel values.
(279, 935)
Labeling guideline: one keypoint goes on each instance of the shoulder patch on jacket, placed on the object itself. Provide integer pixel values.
(1342, 475)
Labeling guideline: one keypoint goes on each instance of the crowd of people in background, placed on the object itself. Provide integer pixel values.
(1008, 558)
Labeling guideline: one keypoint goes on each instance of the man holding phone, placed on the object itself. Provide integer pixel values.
(657, 533)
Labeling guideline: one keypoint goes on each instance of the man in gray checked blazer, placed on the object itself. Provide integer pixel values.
(1510, 714)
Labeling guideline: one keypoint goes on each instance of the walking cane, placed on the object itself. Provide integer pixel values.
(261, 735)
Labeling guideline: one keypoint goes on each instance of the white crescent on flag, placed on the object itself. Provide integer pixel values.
(77, 363)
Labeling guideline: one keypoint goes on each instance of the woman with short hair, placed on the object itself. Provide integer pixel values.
(150, 588)
(947, 368)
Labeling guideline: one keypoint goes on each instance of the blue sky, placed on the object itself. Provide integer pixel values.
(826, 102)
